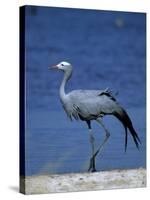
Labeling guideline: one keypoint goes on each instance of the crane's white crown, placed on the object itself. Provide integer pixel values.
(64, 65)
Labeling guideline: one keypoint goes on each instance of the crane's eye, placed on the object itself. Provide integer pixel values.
(62, 64)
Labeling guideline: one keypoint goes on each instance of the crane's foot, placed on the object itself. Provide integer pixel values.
(92, 165)
(93, 170)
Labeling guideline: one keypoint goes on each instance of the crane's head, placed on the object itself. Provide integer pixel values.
(64, 66)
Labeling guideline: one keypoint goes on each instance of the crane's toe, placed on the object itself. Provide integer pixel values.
(93, 170)
(92, 165)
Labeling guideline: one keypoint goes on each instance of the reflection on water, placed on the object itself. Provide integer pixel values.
(107, 49)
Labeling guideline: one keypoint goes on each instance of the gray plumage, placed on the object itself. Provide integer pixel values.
(90, 105)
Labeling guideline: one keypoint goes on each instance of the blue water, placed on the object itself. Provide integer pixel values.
(106, 49)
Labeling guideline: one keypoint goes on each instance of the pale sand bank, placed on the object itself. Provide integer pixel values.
(114, 179)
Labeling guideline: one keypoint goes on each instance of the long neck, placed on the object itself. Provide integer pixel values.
(62, 86)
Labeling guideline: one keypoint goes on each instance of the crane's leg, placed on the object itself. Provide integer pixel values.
(104, 141)
(92, 141)
(92, 160)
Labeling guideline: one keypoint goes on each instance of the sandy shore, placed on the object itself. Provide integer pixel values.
(84, 181)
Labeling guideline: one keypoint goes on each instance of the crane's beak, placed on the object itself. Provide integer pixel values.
(53, 67)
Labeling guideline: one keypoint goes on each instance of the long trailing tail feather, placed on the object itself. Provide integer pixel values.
(122, 115)
(135, 136)
(126, 138)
